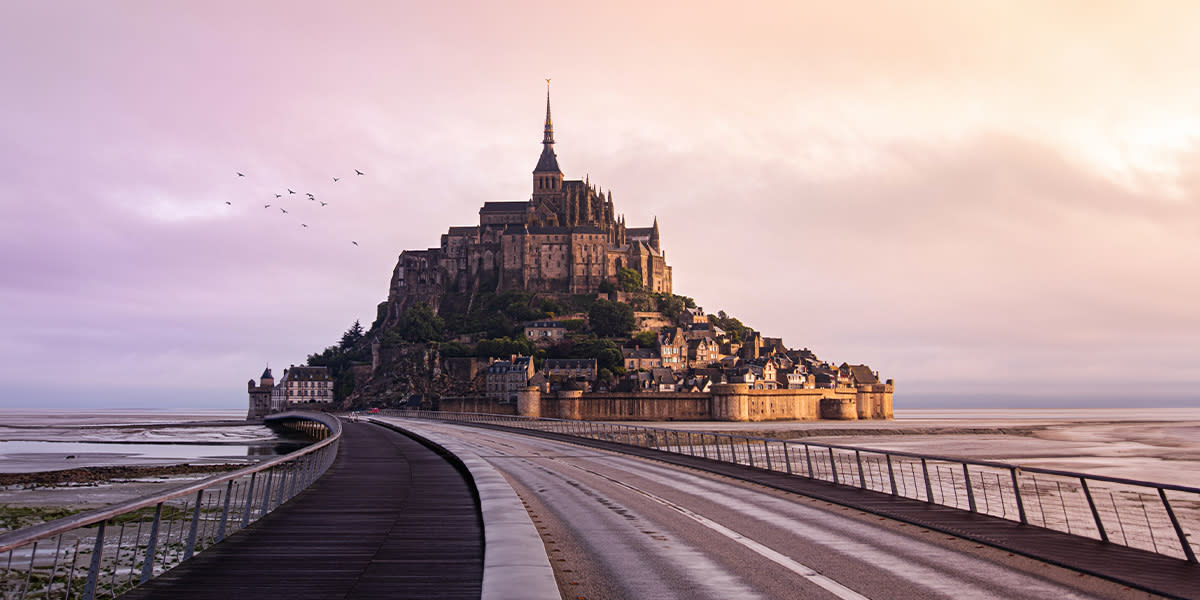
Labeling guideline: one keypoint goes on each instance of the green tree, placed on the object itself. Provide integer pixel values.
(734, 327)
(647, 339)
(611, 319)
(629, 279)
(419, 324)
(352, 335)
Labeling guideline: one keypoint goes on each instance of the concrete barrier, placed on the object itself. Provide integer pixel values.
(515, 565)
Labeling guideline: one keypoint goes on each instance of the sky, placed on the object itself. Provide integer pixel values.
(993, 203)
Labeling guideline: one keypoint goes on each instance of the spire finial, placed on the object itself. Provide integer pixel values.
(548, 138)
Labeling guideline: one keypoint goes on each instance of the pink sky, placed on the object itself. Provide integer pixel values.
(977, 199)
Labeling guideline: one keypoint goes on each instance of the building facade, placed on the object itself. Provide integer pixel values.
(302, 385)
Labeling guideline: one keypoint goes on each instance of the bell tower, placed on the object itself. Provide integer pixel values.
(547, 178)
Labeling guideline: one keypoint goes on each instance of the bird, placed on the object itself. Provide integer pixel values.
(309, 194)
(278, 195)
(266, 206)
(304, 225)
(324, 203)
(290, 191)
(354, 242)
(241, 175)
(335, 179)
(357, 171)
(284, 211)
(229, 203)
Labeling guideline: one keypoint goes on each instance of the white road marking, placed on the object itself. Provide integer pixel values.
(800, 569)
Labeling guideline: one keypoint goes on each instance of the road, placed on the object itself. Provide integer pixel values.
(620, 527)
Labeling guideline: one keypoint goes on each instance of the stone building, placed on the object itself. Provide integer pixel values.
(302, 385)
(260, 396)
(507, 377)
(567, 238)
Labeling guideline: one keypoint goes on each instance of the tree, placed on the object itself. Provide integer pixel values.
(611, 319)
(629, 279)
(352, 335)
(419, 324)
(734, 327)
(646, 339)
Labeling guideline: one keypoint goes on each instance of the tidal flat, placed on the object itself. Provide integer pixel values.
(56, 464)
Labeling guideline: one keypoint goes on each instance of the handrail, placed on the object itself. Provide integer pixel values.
(1130, 512)
(30, 570)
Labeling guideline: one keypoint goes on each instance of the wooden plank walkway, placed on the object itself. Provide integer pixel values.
(390, 519)
(1136, 568)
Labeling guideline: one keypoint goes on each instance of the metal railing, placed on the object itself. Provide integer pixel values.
(105, 552)
(1160, 518)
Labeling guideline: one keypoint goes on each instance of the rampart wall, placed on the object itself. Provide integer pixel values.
(726, 402)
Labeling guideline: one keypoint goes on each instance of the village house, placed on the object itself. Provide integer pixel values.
(507, 377)
(702, 352)
(638, 359)
(545, 332)
(302, 385)
(857, 375)
(672, 348)
(570, 368)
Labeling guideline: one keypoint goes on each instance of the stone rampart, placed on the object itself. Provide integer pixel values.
(726, 402)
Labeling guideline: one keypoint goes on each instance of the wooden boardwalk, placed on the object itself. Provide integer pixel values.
(1136, 568)
(390, 519)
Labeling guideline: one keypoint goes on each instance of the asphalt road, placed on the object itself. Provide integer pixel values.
(620, 527)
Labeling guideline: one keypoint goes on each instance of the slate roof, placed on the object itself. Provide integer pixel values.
(638, 232)
(548, 161)
(570, 363)
(546, 324)
(308, 374)
(639, 353)
(504, 207)
(463, 230)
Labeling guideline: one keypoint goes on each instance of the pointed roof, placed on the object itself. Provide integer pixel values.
(548, 161)
(267, 374)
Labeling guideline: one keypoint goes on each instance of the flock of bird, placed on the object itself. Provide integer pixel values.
(292, 192)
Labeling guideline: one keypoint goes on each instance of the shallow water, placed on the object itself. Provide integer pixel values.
(49, 441)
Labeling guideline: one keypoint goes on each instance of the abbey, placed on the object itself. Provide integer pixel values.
(565, 239)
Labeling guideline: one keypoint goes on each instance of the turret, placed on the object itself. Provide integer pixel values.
(654, 239)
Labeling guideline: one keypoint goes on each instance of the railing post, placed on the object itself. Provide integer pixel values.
(225, 511)
(767, 454)
(717, 445)
(691, 446)
(266, 501)
(151, 546)
(833, 467)
(970, 491)
(1187, 548)
(787, 457)
(191, 540)
(862, 479)
(248, 505)
(1017, 493)
(928, 484)
(891, 474)
(808, 459)
(89, 588)
(1087, 493)
(749, 451)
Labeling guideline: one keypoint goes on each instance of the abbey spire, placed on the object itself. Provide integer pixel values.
(547, 177)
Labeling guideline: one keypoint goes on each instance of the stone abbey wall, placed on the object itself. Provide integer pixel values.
(726, 402)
